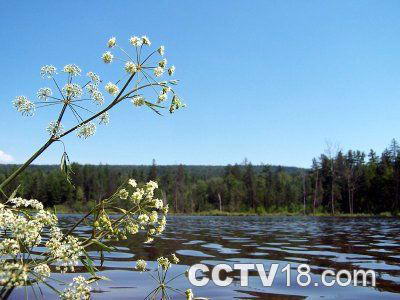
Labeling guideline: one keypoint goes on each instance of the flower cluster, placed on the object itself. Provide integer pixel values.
(146, 213)
(13, 274)
(143, 71)
(69, 96)
(44, 93)
(48, 71)
(72, 70)
(25, 222)
(55, 129)
(144, 68)
(28, 225)
(141, 265)
(24, 105)
(78, 289)
(86, 130)
(65, 251)
(163, 265)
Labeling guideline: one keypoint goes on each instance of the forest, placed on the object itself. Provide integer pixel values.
(337, 182)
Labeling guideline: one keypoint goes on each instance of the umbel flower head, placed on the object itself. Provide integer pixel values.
(112, 42)
(141, 265)
(71, 97)
(142, 85)
(25, 222)
(24, 105)
(145, 71)
(55, 129)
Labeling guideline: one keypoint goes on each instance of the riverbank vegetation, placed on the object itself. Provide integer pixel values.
(338, 182)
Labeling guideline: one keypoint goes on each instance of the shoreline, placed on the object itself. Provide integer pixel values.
(61, 209)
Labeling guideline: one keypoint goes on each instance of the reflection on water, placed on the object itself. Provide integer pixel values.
(322, 242)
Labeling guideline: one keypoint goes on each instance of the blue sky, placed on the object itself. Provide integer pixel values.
(271, 81)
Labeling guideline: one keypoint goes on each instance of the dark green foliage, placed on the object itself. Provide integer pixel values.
(357, 184)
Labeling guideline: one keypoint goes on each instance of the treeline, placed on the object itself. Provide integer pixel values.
(337, 182)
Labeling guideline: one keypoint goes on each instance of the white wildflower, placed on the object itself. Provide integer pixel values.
(163, 63)
(151, 186)
(132, 228)
(112, 42)
(158, 203)
(137, 196)
(26, 231)
(153, 217)
(137, 100)
(79, 289)
(55, 129)
(162, 97)
(13, 274)
(107, 57)
(130, 67)
(24, 106)
(135, 41)
(48, 71)
(123, 194)
(9, 247)
(72, 90)
(93, 77)
(171, 70)
(161, 50)
(163, 262)
(47, 218)
(44, 93)
(141, 265)
(163, 220)
(104, 118)
(72, 70)
(91, 88)
(97, 97)
(132, 182)
(166, 89)
(146, 40)
(42, 271)
(112, 88)
(158, 71)
(175, 259)
(86, 130)
(65, 252)
(143, 219)
(20, 202)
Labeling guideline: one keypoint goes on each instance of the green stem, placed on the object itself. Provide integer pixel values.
(26, 164)
(117, 99)
(34, 156)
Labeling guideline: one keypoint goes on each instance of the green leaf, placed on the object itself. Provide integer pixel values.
(66, 168)
(152, 104)
(88, 263)
(14, 193)
(155, 110)
(103, 246)
(97, 278)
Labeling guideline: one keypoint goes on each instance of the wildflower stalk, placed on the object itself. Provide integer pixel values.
(117, 100)
(26, 164)
(25, 221)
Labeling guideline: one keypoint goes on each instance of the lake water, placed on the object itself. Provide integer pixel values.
(322, 242)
